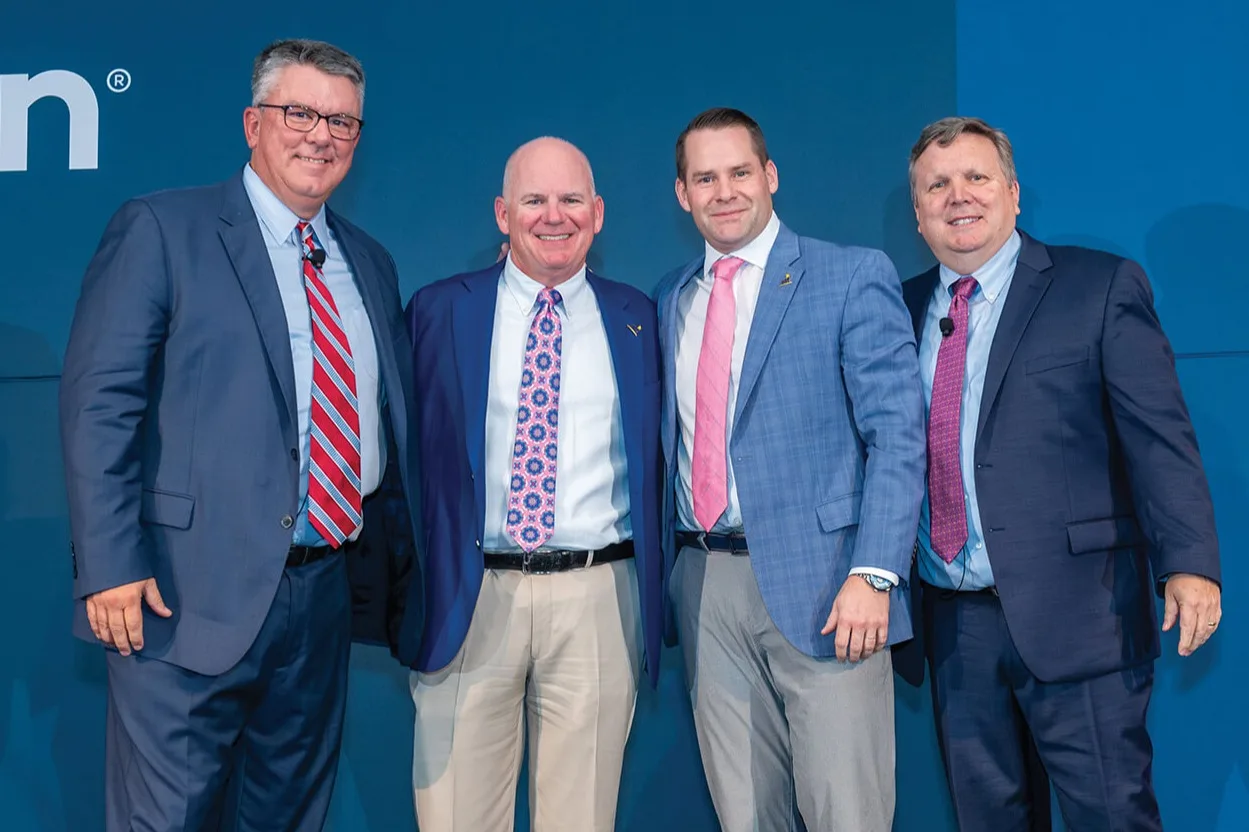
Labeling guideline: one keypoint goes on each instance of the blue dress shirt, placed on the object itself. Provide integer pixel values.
(277, 226)
(970, 569)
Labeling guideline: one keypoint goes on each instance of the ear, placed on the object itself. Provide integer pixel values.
(1014, 191)
(500, 214)
(682, 197)
(598, 213)
(251, 126)
(774, 180)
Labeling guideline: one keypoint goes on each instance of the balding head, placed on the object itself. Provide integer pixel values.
(549, 209)
(543, 146)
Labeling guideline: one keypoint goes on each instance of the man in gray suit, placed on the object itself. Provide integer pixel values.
(793, 432)
(234, 418)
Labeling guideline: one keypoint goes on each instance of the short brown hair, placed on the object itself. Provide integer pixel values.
(947, 130)
(719, 118)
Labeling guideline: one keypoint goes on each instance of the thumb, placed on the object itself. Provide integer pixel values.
(832, 621)
(1171, 612)
(152, 595)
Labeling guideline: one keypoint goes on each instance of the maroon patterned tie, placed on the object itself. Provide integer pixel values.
(948, 529)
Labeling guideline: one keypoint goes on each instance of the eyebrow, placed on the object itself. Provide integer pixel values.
(734, 169)
(563, 195)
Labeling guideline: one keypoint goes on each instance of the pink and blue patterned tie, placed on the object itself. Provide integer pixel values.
(531, 505)
(948, 511)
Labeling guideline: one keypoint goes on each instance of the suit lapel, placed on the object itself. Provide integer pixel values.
(668, 335)
(1028, 286)
(780, 282)
(240, 234)
(367, 276)
(917, 294)
(626, 353)
(473, 334)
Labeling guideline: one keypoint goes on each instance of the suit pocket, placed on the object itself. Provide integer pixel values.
(165, 508)
(1102, 535)
(1066, 358)
(839, 513)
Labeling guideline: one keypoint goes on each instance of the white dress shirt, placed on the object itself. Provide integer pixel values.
(277, 225)
(592, 486)
(691, 319)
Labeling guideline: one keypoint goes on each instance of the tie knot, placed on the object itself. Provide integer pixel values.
(726, 267)
(550, 298)
(964, 286)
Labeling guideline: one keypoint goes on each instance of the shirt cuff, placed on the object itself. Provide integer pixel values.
(880, 573)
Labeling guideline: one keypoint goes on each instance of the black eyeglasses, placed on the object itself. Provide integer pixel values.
(342, 126)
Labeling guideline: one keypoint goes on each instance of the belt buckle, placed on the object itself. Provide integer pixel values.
(526, 562)
(702, 541)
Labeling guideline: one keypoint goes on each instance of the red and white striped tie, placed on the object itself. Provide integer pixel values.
(334, 455)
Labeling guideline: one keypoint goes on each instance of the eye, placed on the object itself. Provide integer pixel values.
(298, 114)
(978, 177)
(741, 174)
(704, 179)
(936, 186)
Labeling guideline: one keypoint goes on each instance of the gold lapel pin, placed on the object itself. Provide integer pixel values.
(786, 281)
(634, 328)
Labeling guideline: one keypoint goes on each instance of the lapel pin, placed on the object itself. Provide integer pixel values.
(634, 328)
(786, 281)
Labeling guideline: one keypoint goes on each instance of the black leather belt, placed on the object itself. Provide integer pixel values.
(732, 543)
(303, 555)
(946, 593)
(545, 562)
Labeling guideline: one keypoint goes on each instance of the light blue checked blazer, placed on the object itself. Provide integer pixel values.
(828, 443)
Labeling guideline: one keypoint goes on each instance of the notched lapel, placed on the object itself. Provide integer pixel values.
(1032, 279)
(473, 333)
(240, 234)
(780, 284)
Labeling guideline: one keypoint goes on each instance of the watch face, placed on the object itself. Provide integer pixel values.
(878, 583)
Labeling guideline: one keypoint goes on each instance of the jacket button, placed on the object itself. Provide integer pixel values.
(287, 521)
(295, 454)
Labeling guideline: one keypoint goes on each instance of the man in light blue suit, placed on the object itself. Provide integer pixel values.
(233, 412)
(794, 437)
(540, 495)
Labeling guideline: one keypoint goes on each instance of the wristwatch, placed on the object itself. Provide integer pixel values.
(876, 582)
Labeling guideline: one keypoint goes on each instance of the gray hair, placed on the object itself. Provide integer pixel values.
(511, 161)
(947, 130)
(326, 57)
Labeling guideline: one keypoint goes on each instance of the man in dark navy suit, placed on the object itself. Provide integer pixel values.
(234, 418)
(1064, 488)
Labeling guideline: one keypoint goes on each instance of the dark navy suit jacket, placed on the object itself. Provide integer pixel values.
(1090, 485)
(179, 428)
(452, 325)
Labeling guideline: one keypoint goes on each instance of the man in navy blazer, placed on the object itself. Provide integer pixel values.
(216, 514)
(1065, 488)
(540, 492)
(793, 434)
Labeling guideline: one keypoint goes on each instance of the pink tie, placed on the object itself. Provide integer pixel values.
(948, 529)
(711, 408)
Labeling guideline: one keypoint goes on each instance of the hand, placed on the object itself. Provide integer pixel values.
(860, 616)
(1197, 603)
(116, 614)
(503, 250)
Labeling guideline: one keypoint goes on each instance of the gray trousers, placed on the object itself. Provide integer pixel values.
(788, 742)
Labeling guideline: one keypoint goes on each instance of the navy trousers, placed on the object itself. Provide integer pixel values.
(1089, 734)
(255, 748)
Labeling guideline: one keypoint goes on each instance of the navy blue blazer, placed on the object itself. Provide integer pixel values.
(452, 326)
(179, 429)
(1087, 469)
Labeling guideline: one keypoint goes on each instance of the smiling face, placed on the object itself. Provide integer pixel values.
(302, 169)
(727, 187)
(549, 210)
(965, 206)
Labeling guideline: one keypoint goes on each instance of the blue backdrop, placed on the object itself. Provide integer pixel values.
(1129, 120)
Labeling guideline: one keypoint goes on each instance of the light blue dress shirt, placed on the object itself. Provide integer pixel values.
(970, 569)
(277, 226)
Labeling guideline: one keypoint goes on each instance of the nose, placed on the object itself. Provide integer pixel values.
(553, 214)
(724, 190)
(959, 192)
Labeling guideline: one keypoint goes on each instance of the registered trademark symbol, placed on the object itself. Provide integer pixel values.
(119, 80)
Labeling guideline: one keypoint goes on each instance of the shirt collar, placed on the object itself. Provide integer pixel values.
(755, 252)
(276, 220)
(525, 290)
(993, 276)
